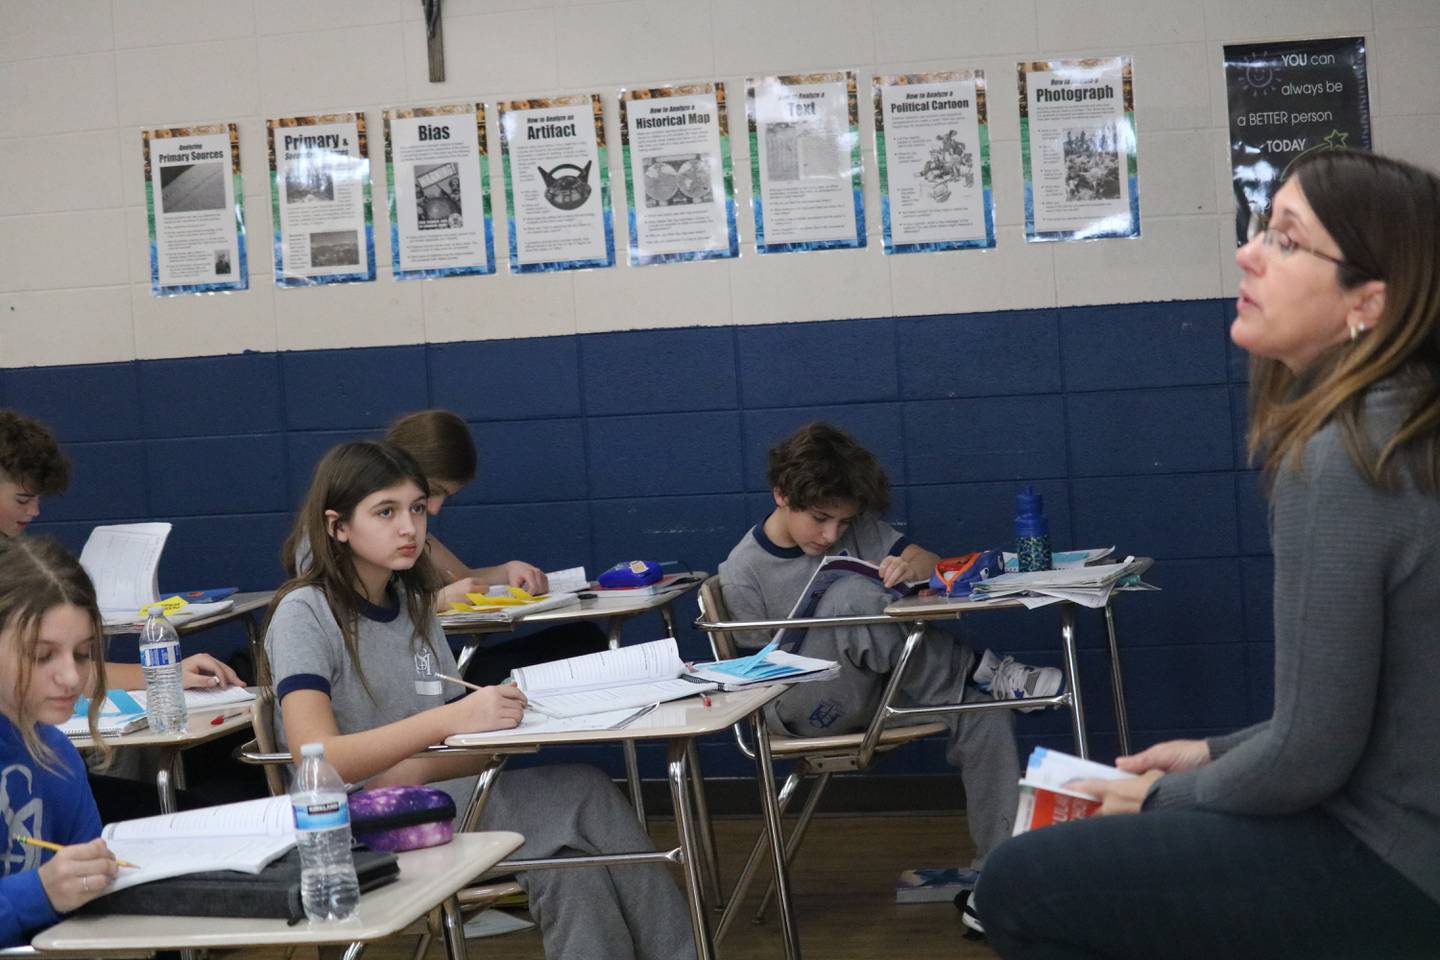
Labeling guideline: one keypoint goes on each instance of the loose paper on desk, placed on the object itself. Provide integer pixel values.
(122, 560)
(1087, 586)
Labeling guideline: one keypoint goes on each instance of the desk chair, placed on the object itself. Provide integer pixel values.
(815, 758)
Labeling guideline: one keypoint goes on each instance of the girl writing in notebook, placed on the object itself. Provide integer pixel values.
(49, 656)
(355, 647)
(441, 444)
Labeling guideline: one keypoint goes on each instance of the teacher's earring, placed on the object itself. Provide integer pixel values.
(1355, 330)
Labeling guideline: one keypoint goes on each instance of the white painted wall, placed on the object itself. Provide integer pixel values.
(79, 78)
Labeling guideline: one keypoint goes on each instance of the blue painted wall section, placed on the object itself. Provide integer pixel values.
(605, 447)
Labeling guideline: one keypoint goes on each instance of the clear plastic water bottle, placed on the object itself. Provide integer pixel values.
(164, 685)
(328, 887)
(1032, 532)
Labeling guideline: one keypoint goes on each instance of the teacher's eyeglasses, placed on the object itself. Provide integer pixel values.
(1283, 243)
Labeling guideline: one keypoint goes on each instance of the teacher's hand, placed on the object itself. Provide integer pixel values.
(1117, 796)
(1169, 757)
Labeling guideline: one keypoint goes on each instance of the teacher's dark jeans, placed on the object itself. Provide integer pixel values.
(1193, 884)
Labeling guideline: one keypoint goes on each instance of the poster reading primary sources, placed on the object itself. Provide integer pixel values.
(675, 141)
(805, 162)
(1077, 147)
(194, 202)
(557, 183)
(439, 191)
(320, 195)
(933, 150)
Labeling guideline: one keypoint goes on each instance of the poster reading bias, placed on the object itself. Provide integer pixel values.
(194, 202)
(1289, 99)
(557, 183)
(320, 195)
(679, 185)
(439, 191)
(1077, 148)
(933, 149)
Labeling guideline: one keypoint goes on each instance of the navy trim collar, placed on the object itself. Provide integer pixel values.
(378, 613)
(770, 547)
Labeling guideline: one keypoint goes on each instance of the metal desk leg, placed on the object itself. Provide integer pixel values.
(777, 845)
(1117, 683)
(706, 830)
(467, 653)
(453, 925)
(484, 783)
(679, 770)
(166, 778)
(1072, 673)
(632, 763)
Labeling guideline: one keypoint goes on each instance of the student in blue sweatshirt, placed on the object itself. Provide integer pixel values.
(50, 642)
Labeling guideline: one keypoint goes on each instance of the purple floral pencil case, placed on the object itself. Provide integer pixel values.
(402, 818)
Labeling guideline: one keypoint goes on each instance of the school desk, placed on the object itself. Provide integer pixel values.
(680, 723)
(429, 878)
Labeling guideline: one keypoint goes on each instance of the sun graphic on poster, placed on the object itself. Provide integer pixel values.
(1258, 78)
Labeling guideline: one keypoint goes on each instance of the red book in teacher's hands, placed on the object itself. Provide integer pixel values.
(1041, 806)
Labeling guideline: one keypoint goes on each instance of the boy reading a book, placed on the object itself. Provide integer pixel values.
(829, 493)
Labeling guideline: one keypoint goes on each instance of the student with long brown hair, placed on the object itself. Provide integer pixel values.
(1317, 832)
(355, 648)
(49, 656)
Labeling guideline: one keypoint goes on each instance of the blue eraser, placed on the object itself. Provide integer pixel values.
(632, 573)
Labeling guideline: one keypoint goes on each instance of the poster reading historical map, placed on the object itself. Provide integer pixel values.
(439, 190)
(675, 142)
(1077, 146)
(933, 149)
(194, 202)
(805, 162)
(1288, 99)
(557, 183)
(320, 195)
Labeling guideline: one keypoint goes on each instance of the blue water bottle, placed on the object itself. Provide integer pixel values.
(1032, 532)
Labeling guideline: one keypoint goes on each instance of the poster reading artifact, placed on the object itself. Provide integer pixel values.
(932, 145)
(1288, 99)
(320, 197)
(805, 162)
(438, 173)
(194, 201)
(675, 143)
(1077, 146)
(557, 183)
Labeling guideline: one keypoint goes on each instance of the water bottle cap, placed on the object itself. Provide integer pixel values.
(1029, 501)
(312, 750)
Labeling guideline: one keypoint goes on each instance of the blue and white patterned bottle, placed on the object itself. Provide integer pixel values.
(1032, 532)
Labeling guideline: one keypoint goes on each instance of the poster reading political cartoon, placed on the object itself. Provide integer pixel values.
(805, 162)
(1077, 147)
(1289, 99)
(932, 146)
(675, 143)
(320, 197)
(438, 173)
(195, 205)
(557, 183)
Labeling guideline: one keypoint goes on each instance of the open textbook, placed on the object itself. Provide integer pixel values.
(122, 560)
(643, 674)
(233, 836)
(1046, 799)
(831, 569)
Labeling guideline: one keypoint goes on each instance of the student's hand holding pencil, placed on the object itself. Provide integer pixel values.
(78, 874)
(489, 708)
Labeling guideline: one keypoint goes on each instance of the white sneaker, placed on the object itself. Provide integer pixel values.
(1008, 680)
(975, 930)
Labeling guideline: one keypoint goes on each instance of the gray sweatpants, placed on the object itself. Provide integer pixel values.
(585, 912)
(982, 744)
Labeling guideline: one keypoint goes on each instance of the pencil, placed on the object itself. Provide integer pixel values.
(463, 683)
(47, 845)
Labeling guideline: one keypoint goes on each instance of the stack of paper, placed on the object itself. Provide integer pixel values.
(515, 605)
(1087, 586)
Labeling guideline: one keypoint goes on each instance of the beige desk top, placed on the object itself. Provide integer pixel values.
(585, 609)
(427, 878)
(244, 603)
(677, 718)
(199, 729)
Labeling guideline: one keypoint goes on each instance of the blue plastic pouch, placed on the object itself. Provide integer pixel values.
(632, 573)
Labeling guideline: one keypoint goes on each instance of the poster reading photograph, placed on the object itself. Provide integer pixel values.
(438, 171)
(675, 143)
(1077, 146)
(933, 149)
(320, 197)
(1288, 99)
(557, 183)
(194, 202)
(805, 162)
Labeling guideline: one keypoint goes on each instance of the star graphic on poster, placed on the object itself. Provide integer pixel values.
(1335, 140)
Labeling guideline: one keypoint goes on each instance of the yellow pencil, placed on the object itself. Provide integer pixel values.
(47, 845)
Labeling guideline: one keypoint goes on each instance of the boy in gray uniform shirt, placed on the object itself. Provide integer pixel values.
(829, 492)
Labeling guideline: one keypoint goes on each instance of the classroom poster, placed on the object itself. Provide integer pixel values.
(195, 205)
(1077, 147)
(932, 145)
(1287, 99)
(679, 185)
(557, 183)
(438, 174)
(320, 199)
(805, 162)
